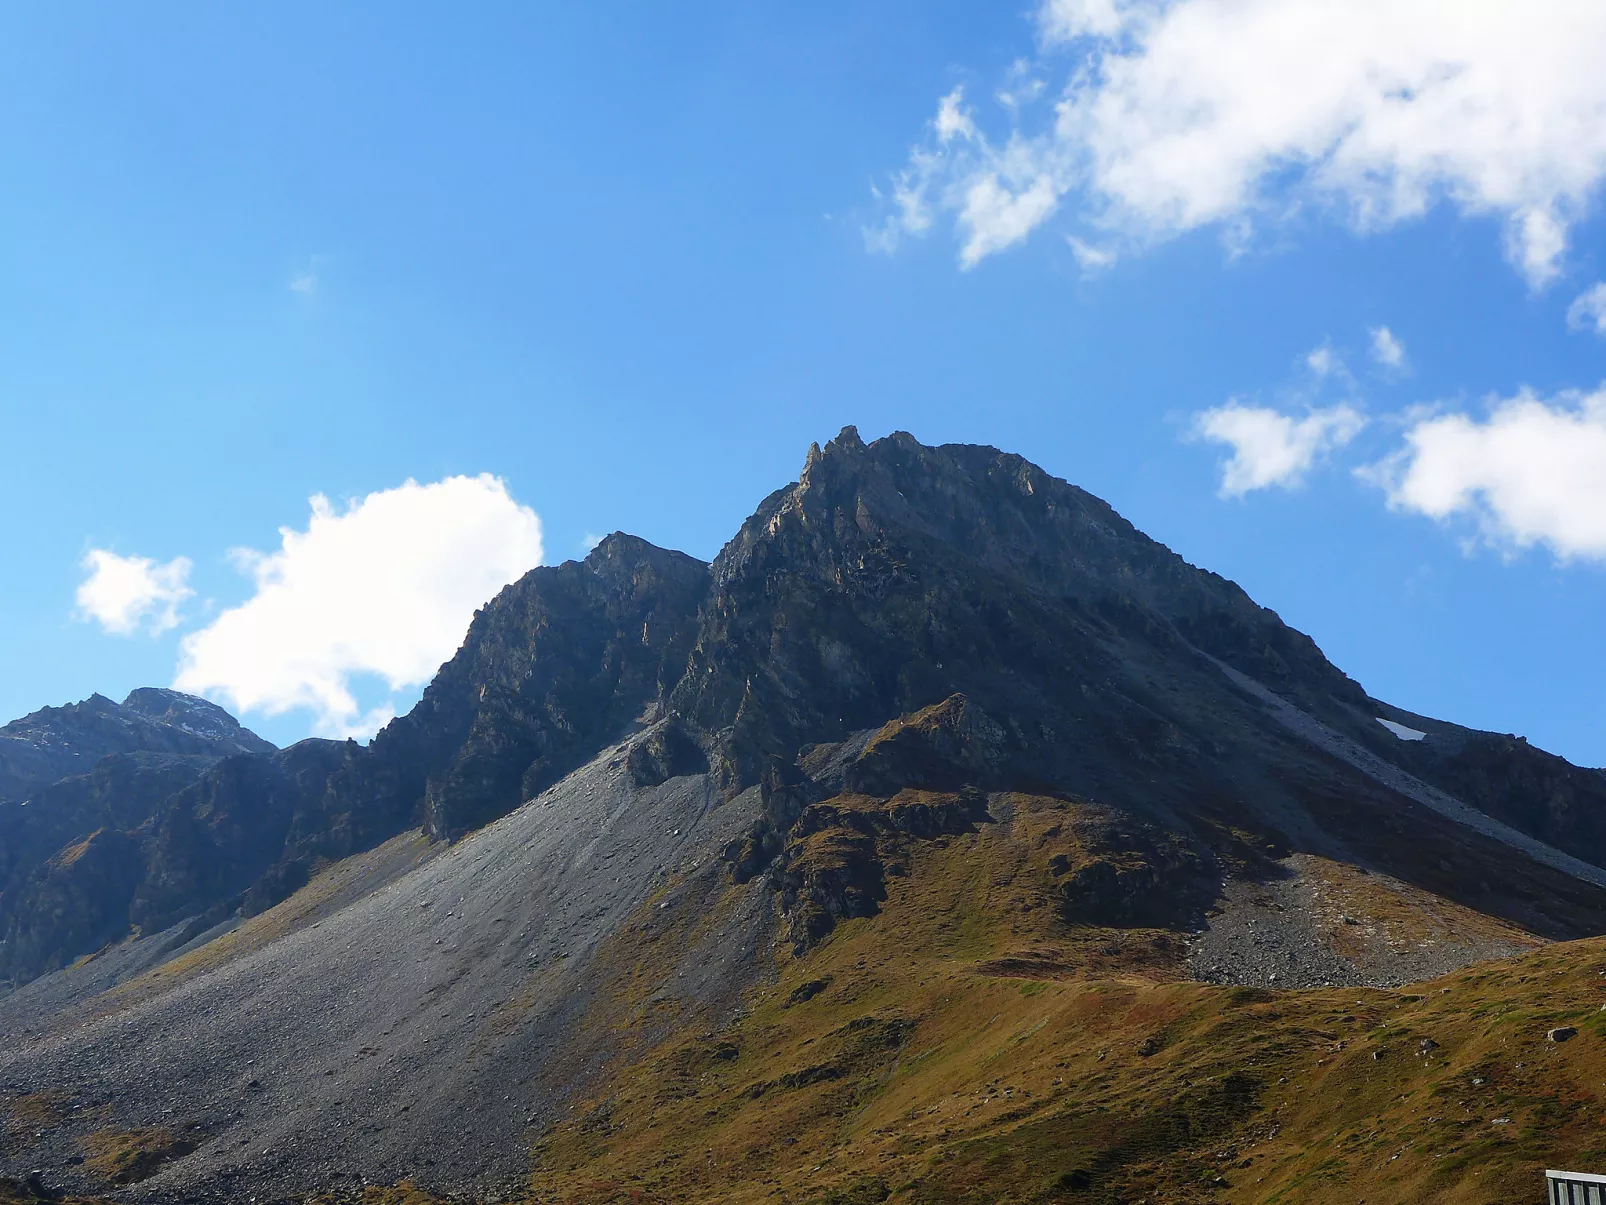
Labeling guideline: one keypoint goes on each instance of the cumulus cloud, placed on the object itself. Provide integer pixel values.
(385, 587)
(126, 593)
(1270, 448)
(1533, 472)
(1063, 20)
(1173, 115)
(1588, 310)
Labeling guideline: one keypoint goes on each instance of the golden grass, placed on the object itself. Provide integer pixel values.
(1397, 916)
(24, 1115)
(123, 1157)
(965, 1045)
(71, 854)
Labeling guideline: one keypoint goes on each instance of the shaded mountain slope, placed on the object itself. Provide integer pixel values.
(430, 1026)
(937, 740)
(57, 742)
(892, 576)
(144, 841)
(557, 666)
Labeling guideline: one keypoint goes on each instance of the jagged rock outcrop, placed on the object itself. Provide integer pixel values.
(558, 665)
(1110, 870)
(942, 747)
(668, 752)
(554, 667)
(893, 575)
(839, 853)
(77, 901)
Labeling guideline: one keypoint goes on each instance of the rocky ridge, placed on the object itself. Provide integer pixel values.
(57, 742)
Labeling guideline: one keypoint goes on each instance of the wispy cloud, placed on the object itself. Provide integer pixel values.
(307, 280)
(1172, 115)
(1091, 257)
(1324, 362)
(1387, 349)
(1588, 310)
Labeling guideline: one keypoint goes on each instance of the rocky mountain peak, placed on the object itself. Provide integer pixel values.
(194, 715)
(56, 742)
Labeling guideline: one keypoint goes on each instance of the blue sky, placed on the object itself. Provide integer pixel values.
(629, 260)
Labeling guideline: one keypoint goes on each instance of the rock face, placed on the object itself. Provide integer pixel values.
(81, 856)
(650, 769)
(141, 842)
(894, 575)
(56, 742)
(556, 666)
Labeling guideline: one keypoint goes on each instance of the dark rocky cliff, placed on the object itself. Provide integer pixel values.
(557, 665)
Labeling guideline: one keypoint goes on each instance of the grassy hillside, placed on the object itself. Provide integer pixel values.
(967, 1044)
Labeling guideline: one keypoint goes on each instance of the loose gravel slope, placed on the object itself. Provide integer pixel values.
(428, 1029)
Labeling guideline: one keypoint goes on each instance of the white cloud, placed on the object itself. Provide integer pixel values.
(1063, 20)
(1588, 310)
(588, 541)
(1021, 86)
(1180, 114)
(1091, 257)
(997, 214)
(911, 206)
(1324, 361)
(1387, 349)
(1533, 472)
(952, 120)
(385, 587)
(1270, 448)
(124, 593)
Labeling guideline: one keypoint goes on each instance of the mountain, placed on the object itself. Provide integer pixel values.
(168, 812)
(56, 742)
(945, 839)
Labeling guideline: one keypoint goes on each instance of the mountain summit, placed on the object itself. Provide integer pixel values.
(696, 878)
(55, 742)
